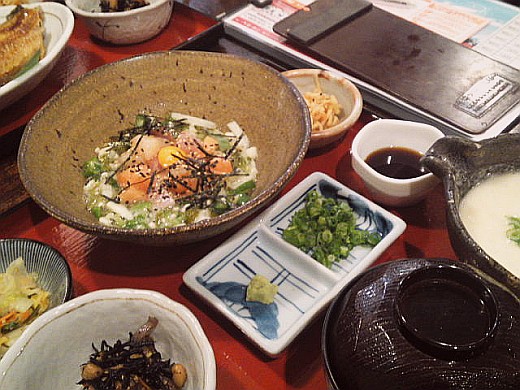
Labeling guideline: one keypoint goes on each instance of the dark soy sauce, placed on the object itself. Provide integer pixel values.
(397, 162)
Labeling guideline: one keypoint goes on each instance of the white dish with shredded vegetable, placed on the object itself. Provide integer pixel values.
(335, 103)
(171, 171)
(21, 301)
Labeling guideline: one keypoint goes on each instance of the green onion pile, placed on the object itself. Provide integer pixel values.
(326, 230)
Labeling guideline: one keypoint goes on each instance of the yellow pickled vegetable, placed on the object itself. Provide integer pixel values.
(21, 300)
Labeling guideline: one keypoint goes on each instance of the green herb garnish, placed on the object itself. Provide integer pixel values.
(93, 168)
(513, 232)
(326, 230)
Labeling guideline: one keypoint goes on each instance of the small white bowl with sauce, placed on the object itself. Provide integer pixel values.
(386, 155)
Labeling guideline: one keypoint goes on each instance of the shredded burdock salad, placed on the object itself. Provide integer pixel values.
(165, 172)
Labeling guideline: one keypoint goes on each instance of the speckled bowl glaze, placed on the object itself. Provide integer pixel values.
(82, 116)
(462, 164)
(367, 345)
(125, 27)
(345, 91)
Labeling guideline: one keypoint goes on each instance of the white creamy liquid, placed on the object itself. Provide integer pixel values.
(484, 212)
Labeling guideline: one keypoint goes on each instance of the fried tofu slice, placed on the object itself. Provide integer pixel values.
(21, 42)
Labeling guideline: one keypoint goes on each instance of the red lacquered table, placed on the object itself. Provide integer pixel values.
(98, 264)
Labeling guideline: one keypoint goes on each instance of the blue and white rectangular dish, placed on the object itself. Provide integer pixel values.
(305, 287)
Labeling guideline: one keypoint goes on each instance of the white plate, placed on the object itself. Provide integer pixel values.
(58, 24)
(305, 287)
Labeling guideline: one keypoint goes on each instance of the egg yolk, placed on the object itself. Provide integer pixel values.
(170, 155)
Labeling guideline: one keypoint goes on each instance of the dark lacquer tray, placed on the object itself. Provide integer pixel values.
(216, 40)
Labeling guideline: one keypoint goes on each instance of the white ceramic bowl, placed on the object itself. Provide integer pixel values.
(58, 25)
(126, 27)
(50, 352)
(385, 133)
(347, 94)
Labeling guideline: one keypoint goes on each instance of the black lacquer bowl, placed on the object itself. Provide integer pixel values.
(462, 164)
(422, 324)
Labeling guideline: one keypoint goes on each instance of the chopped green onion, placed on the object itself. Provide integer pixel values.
(243, 188)
(513, 233)
(326, 230)
(93, 168)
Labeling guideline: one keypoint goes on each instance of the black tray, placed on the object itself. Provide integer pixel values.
(216, 40)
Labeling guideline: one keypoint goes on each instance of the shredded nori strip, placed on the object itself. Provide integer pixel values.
(208, 184)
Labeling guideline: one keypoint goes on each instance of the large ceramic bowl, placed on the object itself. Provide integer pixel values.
(219, 87)
(422, 324)
(125, 27)
(50, 353)
(463, 164)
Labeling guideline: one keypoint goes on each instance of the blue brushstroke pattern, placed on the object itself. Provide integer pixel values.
(382, 225)
(264, 316)
(359, 206)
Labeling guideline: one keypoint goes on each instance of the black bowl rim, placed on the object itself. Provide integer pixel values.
(59, 256)
(255, 204)
(464, 278)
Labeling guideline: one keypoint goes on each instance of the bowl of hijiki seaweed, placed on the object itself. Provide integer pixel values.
(481, 181)
(165, 148)
(115, 339)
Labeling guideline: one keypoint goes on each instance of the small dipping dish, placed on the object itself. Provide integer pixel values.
(391, 140)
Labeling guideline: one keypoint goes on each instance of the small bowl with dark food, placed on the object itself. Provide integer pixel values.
(422, 324)
(334, 102)
(481, 181)
(386, 154)
(164, 148)
(123, 22)
(115, 339)
(34, 278)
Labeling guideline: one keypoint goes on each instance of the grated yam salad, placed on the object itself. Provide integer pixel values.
(166, 172)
